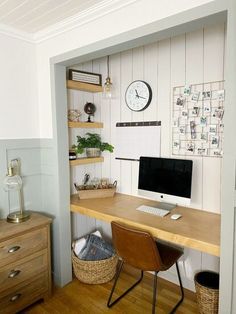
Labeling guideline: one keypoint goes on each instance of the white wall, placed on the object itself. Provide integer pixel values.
(114, 23)
(194, 57)
(18, 89)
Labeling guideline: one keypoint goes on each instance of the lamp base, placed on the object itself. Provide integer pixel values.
(18, 217)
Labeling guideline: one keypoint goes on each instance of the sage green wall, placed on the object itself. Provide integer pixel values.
(39, 185)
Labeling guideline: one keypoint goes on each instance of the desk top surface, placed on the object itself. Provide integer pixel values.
(196, 229)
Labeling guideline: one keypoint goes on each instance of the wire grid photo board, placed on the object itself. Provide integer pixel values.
(197, 119)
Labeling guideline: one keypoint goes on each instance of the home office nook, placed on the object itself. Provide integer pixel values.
(152, 152)
(180, 126)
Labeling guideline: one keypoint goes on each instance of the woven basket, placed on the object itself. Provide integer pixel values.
(94, 272)
(207, 296)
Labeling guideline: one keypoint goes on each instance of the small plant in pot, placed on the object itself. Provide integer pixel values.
(92, 145)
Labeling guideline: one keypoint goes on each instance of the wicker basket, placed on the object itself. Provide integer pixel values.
(94, 272)
(207, 291)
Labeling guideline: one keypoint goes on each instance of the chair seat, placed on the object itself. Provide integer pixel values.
(169, 255)
(140, 250)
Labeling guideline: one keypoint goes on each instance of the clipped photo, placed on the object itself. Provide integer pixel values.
(180, 102)
(202, 151)
(182, 129)
(217, 152)
(184, 113)
(203, 121)
(206, 108)
(187, 90)
(195, 111)
(193, 130)
(176, 144)
(190, 147)
(206, 95)
(204, 136)
(218, 113)
(214, 141)
(213, 129)
(221, 94)
(195, 96)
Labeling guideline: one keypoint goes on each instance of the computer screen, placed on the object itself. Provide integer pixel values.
(166, 179)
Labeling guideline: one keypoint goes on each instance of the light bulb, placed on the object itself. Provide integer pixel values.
(107, 89)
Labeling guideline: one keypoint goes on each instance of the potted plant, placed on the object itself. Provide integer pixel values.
(92, 145)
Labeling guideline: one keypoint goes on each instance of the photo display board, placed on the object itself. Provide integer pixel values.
(197, 119)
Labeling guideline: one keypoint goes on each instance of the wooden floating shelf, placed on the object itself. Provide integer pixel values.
(86, 125)
(84, 161)
(84, 86)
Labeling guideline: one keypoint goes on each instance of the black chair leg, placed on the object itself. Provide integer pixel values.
(109, 303)
(181, 288)
(154, 292)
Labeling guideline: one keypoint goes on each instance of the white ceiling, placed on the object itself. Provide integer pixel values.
(31, 16)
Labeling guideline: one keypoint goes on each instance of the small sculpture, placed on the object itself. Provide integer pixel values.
(73, 115)
(89, 108)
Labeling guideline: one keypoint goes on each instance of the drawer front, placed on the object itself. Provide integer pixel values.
(22, 246)
(23, 295)
(26, 268)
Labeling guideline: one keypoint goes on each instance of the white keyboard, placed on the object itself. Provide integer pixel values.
(153, 210)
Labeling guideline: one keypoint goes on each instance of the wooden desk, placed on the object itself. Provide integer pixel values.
(196, 229)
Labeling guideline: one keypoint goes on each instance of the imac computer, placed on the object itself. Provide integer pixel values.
(165, 180)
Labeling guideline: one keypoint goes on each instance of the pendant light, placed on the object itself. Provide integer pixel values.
(107, 88)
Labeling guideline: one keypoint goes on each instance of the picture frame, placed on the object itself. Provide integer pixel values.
(85, 77)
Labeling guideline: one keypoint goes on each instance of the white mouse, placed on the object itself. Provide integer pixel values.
(175, 216)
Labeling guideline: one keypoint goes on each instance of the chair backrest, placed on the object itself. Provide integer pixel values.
(136, 247)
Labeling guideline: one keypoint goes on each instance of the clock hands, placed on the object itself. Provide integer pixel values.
(137, 95)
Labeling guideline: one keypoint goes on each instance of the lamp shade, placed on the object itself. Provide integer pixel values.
(12, 182)
(107, 89)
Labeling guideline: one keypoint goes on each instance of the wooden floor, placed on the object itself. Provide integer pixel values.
(77, 297)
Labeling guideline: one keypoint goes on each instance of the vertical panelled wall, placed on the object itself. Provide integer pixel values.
(34, 173)
(190, 58)
(38, 176)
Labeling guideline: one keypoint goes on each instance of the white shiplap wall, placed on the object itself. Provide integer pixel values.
(189, 58)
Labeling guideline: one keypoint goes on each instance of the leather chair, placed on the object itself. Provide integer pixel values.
(138, 249)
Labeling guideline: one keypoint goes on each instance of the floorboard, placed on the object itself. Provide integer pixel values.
(77, 297)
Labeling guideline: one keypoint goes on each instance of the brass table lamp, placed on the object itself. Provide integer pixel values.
(13, 183)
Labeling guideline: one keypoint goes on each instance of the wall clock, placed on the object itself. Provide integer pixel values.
(138, 95)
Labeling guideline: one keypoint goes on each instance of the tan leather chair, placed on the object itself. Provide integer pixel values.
(138, 249)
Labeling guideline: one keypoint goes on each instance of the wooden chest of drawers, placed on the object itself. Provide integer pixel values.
(25, 263)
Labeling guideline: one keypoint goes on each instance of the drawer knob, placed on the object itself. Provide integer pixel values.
(14, 249)
(15, 297)
(13, 273)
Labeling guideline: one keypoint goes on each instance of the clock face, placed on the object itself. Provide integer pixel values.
(138, 95)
